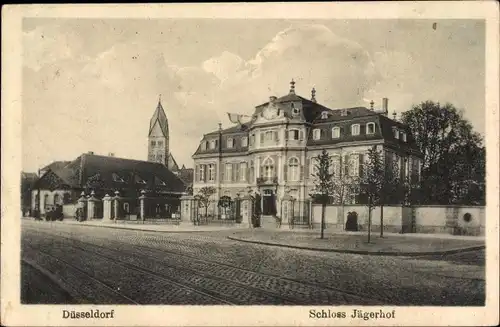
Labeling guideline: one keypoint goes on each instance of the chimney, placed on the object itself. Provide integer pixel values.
(90, 152)
(385, 106)
(371, 105)
(292, 87)
(394, 115)
(272, 99)
(313, 95)
(111, 154)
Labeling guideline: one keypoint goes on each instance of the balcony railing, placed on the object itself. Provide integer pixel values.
(267, 180)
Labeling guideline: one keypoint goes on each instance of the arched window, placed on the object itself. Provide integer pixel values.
(293, 169)
(45, 200)
(204, 145)
(336, 132)
(324, 115)
(244, 141)
(370, 128)
(316, 134)
(230, 143)
(267, 168)
(126, 207)
(212, 144)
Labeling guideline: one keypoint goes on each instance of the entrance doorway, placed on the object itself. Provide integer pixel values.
(268, 203)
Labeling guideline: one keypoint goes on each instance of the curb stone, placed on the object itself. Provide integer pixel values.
(152, 230)
(401, 254)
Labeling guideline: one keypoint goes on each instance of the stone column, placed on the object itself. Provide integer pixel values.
(246, 210)
(106, 208)
(187, 210)
(142, 205)
(91, 201)
(82, 204)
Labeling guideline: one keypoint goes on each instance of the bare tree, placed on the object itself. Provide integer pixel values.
(372, 183)
(204, 197)
(323, 184)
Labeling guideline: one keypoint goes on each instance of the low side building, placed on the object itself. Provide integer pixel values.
(63, 185)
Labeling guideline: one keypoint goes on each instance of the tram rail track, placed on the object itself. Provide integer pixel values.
(352, 297)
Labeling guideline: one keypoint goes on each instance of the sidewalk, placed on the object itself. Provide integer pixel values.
(356, 243)
(189, 227)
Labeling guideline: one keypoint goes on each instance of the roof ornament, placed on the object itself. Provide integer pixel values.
(313, 95)
(394, 114)
(292, 87)
(371, 105)
(159, 98)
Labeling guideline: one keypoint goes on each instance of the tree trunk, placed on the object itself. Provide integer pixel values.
(323, 209)
(369, 222)
(381, 220)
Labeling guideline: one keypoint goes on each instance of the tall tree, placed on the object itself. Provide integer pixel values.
(448, 142)
(372, 183)
(323, 184)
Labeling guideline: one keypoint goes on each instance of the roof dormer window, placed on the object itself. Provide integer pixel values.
(324, 115)
(212, 144)
(139, 180)
(355, 129)
(370, 128)
(230, 142)
(316, 134)
(244, 141)
(117, 178)
(396, 133)
(295, 111)
(335, 132)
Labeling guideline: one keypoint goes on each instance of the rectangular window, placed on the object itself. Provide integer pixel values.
(243, 171)
(355, 129)
(403, 136)
(229, 172)
(293, 134)
(211, 172)
(153, 143)
(354, 165)
(202, 173)
(244, 141)
(230, 143)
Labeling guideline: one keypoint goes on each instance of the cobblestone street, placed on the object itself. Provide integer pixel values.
(107, 266)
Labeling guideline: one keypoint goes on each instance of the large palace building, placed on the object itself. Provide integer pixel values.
(273, 154)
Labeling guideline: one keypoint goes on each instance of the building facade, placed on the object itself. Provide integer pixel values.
(274, 154)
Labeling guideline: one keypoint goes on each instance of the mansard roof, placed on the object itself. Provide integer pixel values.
(95, 171)
(160, 117)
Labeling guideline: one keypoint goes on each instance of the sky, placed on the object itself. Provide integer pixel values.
(93, 84)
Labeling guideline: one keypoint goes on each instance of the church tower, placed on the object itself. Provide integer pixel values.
(158, 138)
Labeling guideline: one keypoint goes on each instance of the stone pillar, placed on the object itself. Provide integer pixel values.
(287, 209)
(106, 208)
(246, 210)
(116, 205)
(142, 205)
(82, 204)
(187, 210)
(91, 202)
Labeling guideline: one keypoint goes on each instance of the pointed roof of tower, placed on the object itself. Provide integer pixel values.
(160, 116)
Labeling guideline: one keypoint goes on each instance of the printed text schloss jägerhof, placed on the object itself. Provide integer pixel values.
(354, 314)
